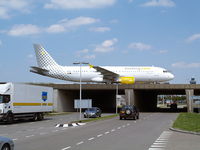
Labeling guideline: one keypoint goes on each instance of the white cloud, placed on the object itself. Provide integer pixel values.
(68, 24)
(89, 56)
(79, 21)
(4, 13)
(8, 6)
(106, 46)
(1, 43)
(83, 51)
(139, 46)
(55, 28)
(100, 29)
(159, 3)
(22, 29)
(84, 54)
(78, 4)
(186, 65)
(130, 1)
(62, 26)
(163, 51)
(193, 37)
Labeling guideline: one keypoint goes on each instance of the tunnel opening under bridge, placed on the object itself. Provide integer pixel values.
(104, 99)
(156, 100)
(145, 100)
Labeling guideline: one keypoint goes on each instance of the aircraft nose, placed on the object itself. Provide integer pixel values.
(171, 76)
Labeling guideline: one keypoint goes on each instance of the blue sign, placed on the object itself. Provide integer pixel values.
(44, 96)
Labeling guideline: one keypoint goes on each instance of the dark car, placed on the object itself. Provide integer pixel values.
(6, 143)
(129, 112)
(92, 112)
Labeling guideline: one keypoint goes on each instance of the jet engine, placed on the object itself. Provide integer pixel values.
(126, 80)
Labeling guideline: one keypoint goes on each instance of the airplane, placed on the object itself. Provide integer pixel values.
(47, 66)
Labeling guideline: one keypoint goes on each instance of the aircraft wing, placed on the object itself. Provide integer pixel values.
(38, 70)
(108, 75)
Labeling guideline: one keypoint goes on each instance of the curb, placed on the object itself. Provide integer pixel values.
(183, 131)
(70, 125)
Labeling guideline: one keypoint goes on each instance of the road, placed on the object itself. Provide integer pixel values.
(150, 132)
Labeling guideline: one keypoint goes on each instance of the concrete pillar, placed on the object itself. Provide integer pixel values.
(129, 96)
(64, 100)
(55, 100)
(189, 94)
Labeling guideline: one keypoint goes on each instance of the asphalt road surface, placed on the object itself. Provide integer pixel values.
(150, 132)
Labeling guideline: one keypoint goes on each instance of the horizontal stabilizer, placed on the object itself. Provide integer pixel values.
(38, 70)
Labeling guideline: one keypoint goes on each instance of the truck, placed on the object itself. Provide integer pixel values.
(24, 101)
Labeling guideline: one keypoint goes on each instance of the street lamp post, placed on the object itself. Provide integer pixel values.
(80, 63)
(116, 97)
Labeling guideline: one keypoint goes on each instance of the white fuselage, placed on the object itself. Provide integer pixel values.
(88, 74)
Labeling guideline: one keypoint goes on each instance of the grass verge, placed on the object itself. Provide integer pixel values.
(188, 122)
(96, 119)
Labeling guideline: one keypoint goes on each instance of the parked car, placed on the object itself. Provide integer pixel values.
(92, 112)
(129, 112)
(6, 143)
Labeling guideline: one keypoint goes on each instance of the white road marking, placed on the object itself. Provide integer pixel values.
(43, 133)
(119, 128)
(65, 125)
(41, 128)
(74, 124)
(161, 142)
(29, 136)
(14, 139)
(80, 143)
(66, 148)
(128, 124)
(107, 132)
(99, 135)
(159, 146)
(112, 130)
(163, 139)
(156, 149)
(91, 139)
(123, 126)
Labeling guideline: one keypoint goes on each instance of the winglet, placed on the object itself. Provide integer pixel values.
(91, 66)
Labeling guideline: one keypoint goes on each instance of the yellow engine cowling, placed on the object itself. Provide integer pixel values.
(127, 80)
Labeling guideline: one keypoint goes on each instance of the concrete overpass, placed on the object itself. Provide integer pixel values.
(143, 96)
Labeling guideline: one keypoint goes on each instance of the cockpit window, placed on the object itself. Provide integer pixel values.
(165, 71)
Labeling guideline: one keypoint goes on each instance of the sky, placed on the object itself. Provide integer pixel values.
(163, 33)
